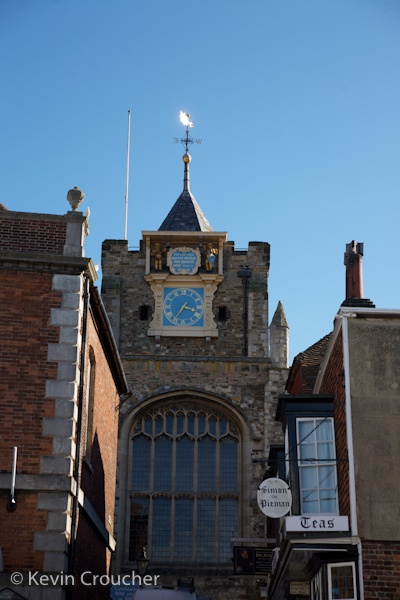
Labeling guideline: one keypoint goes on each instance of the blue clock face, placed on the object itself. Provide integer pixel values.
(183, 306)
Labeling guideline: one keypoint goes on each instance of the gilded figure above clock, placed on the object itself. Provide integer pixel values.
(183, 260)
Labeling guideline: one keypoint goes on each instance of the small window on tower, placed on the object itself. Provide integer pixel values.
(223, 313)
(144, 312)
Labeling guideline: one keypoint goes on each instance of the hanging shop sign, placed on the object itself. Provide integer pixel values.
(274, 497)
(299, 588)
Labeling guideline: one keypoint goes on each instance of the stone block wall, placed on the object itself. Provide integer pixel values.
(214, 371)
(125, 291)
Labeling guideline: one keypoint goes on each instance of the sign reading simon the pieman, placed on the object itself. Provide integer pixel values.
(274, 497)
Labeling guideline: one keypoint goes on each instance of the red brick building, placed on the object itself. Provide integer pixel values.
(61, 383)
(341, 423)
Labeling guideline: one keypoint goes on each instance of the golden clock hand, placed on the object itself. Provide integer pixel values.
(180, 310)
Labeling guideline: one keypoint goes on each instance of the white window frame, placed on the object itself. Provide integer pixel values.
(342, 564)
(316, 463)
(316, 586)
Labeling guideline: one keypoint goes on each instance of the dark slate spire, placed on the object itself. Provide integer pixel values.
(186, 214)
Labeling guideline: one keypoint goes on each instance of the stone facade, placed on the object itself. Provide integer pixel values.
(232, 372)
(125, 291)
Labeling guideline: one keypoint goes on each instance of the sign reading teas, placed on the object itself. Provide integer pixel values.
(320, 523)
(274, 497)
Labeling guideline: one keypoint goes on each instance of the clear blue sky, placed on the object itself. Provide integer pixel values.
(297, 103)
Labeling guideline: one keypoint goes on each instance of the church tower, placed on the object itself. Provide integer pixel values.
(190, 317)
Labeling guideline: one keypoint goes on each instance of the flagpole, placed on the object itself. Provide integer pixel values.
(128, 150)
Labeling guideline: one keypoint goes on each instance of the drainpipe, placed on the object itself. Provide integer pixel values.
(245, 274)
(11, 505)
(78, 457)
(350, 448)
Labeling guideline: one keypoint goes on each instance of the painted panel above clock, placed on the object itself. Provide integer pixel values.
(184, 261)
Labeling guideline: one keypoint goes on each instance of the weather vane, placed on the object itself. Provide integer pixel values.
(187, 140)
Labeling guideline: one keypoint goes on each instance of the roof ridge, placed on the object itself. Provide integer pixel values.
(316, 350)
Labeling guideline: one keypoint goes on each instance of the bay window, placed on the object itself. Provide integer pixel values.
(317, 466)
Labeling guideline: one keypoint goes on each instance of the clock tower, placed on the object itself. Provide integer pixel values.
(184, 266)
(189, 313)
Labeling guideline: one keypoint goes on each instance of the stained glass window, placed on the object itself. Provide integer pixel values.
(342, 581)
(184, 487)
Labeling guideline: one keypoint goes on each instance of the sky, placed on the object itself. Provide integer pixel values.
(297, 104)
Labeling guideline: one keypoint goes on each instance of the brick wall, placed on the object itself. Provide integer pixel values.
(333, 383)
(25, 303)
(17, 533)
(44, 234)
(98, 479)
(381, 568)
(92, 557)
(41, 311)
(98, 472)
(26, 299)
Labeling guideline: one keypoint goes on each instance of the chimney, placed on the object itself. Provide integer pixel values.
(353, 261)
(354, 278)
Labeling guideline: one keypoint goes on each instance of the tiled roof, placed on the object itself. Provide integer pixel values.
(308, 362)
(185, 215)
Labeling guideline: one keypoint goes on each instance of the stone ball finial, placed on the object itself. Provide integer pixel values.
(75, 198)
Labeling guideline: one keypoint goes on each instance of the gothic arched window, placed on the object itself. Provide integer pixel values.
(184, 484)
